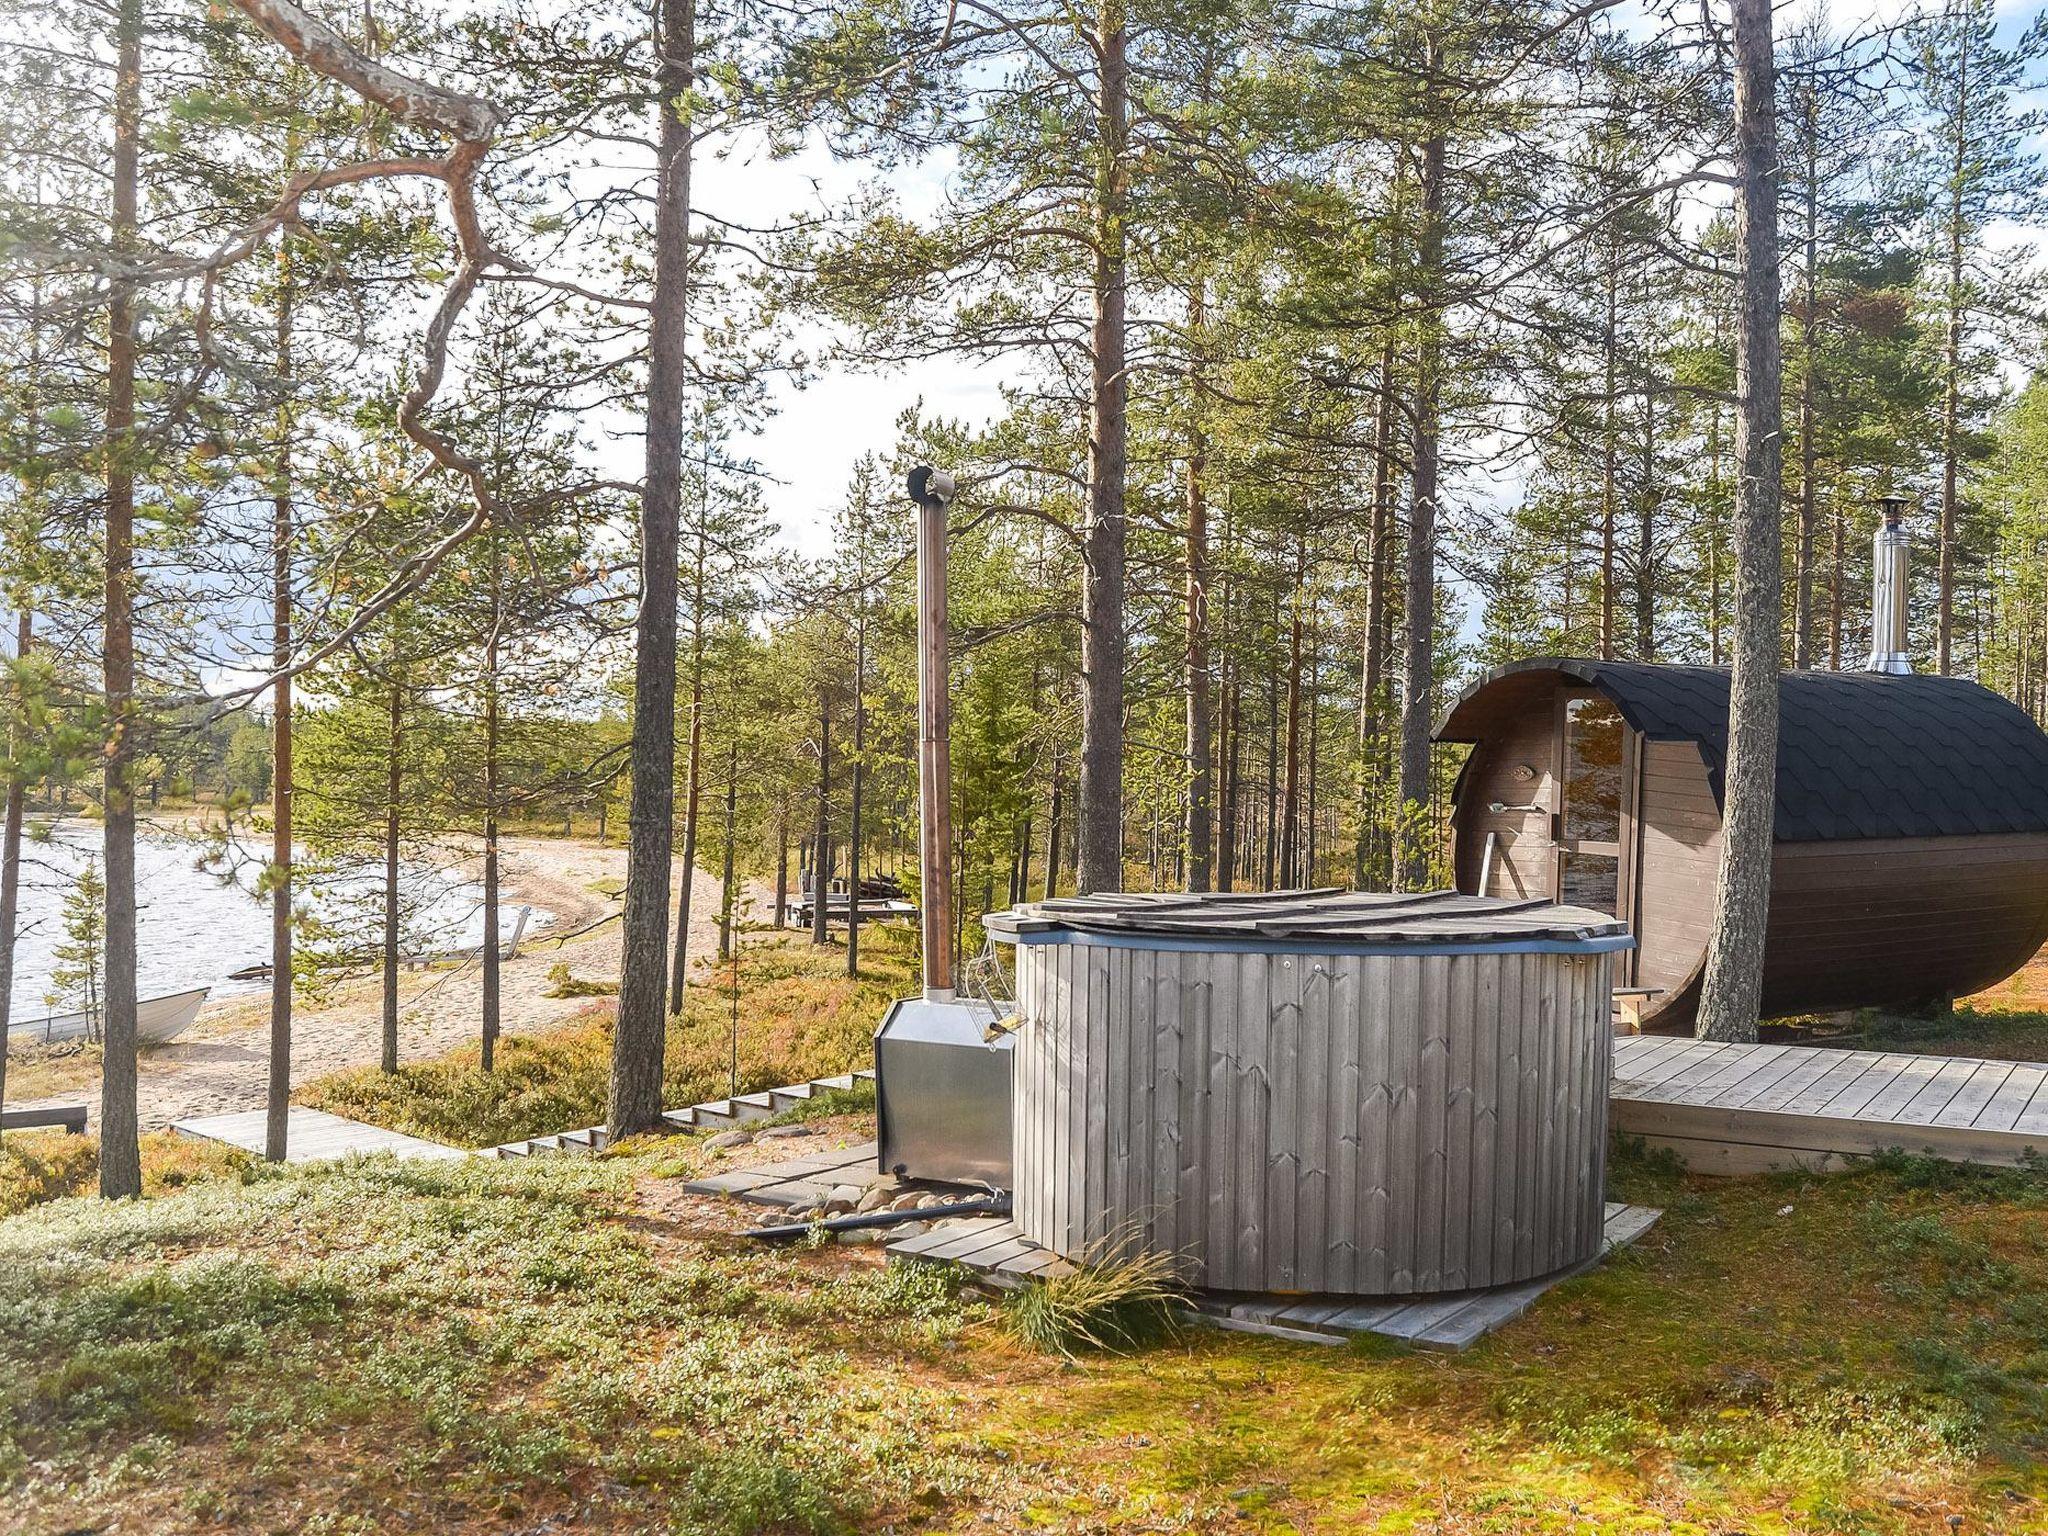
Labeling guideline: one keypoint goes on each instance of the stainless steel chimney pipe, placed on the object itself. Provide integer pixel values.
(1888, 644)
(932, 489)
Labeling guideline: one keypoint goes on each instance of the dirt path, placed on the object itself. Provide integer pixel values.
(220, 1064)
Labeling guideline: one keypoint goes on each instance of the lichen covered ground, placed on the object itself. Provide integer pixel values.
(581, 1345)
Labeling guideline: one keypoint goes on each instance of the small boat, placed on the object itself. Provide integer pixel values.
(157, 1019)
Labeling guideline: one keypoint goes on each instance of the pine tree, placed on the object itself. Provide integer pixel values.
(79, 968)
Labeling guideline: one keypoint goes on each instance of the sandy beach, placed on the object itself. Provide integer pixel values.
(220, 1064)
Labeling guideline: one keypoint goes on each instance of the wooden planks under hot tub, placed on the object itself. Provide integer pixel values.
(1736, 1109)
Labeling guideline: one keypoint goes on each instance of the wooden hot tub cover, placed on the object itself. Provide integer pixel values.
(1331, 917)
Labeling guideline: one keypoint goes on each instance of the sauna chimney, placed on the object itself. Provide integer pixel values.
(942, 1068)
(1888, 592)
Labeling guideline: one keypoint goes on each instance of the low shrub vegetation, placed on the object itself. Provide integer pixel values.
(800, 1016)
(42, 1165)
(574, 1344)
(36, 1166)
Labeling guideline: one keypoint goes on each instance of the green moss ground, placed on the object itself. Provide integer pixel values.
(575, 1345)
(386, 1346)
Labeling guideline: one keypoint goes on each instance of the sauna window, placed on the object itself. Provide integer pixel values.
(1593, 740)
(1589, 880)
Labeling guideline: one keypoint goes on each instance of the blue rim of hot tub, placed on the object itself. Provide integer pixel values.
(1600, 944)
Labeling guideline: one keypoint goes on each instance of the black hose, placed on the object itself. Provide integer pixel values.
(979, 1205)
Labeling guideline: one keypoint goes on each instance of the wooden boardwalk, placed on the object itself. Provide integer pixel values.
(795, 1183)
(312, 1136)
(1736, 1109)
(994, 1249)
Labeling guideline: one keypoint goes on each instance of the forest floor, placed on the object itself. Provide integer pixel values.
(569, 1345)
(580, 1345)
(220, 1064)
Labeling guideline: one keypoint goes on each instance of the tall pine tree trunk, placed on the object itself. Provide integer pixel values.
(394, 785)
(277, 1097)
(1372, 663)
(821, 832)
(1609, 449)
(1952, 359)
(10, 840)
(1052, 831)
(1732, 987)
(1290, 793)
(120, 1149)
(1201, 781)
(1646, 536)
(782, 868)
(1099, 812)
(1809, 317)
(693, 774)
(491, 731)
(1272, 848)
(860, 740)
(1227, 766)
(637, 1041)
(1419, 595)
(727, 890)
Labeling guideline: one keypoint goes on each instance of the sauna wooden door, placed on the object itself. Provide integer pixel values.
(1591, 825)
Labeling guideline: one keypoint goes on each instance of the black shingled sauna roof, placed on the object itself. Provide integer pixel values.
(1860, 754)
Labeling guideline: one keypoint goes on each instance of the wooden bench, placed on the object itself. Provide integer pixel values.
(1629, 1003)
(70, 1116)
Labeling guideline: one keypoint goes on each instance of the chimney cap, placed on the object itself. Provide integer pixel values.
(1894, 506)
(926, 484)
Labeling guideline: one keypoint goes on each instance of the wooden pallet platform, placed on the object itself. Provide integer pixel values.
(1736, 1109)
(994, 1249)
(795, 1183)
(312, 1136)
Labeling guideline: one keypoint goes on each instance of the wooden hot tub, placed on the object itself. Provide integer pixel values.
(1314, 1091)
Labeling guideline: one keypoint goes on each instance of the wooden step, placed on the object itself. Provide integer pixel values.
(718, 1115)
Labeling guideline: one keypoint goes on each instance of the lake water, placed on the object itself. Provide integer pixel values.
(193, 926)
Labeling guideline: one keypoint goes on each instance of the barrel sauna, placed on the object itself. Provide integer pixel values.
(1910, 837)
(1313, 1091)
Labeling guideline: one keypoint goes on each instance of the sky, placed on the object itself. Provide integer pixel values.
(820, 426)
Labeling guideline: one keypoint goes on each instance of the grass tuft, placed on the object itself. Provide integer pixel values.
(1108, 1304)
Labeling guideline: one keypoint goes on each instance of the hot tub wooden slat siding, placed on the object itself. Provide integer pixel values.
(1336, 1117)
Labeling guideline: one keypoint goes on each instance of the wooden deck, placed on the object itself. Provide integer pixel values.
(312, 1136)
(1736, 1109)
